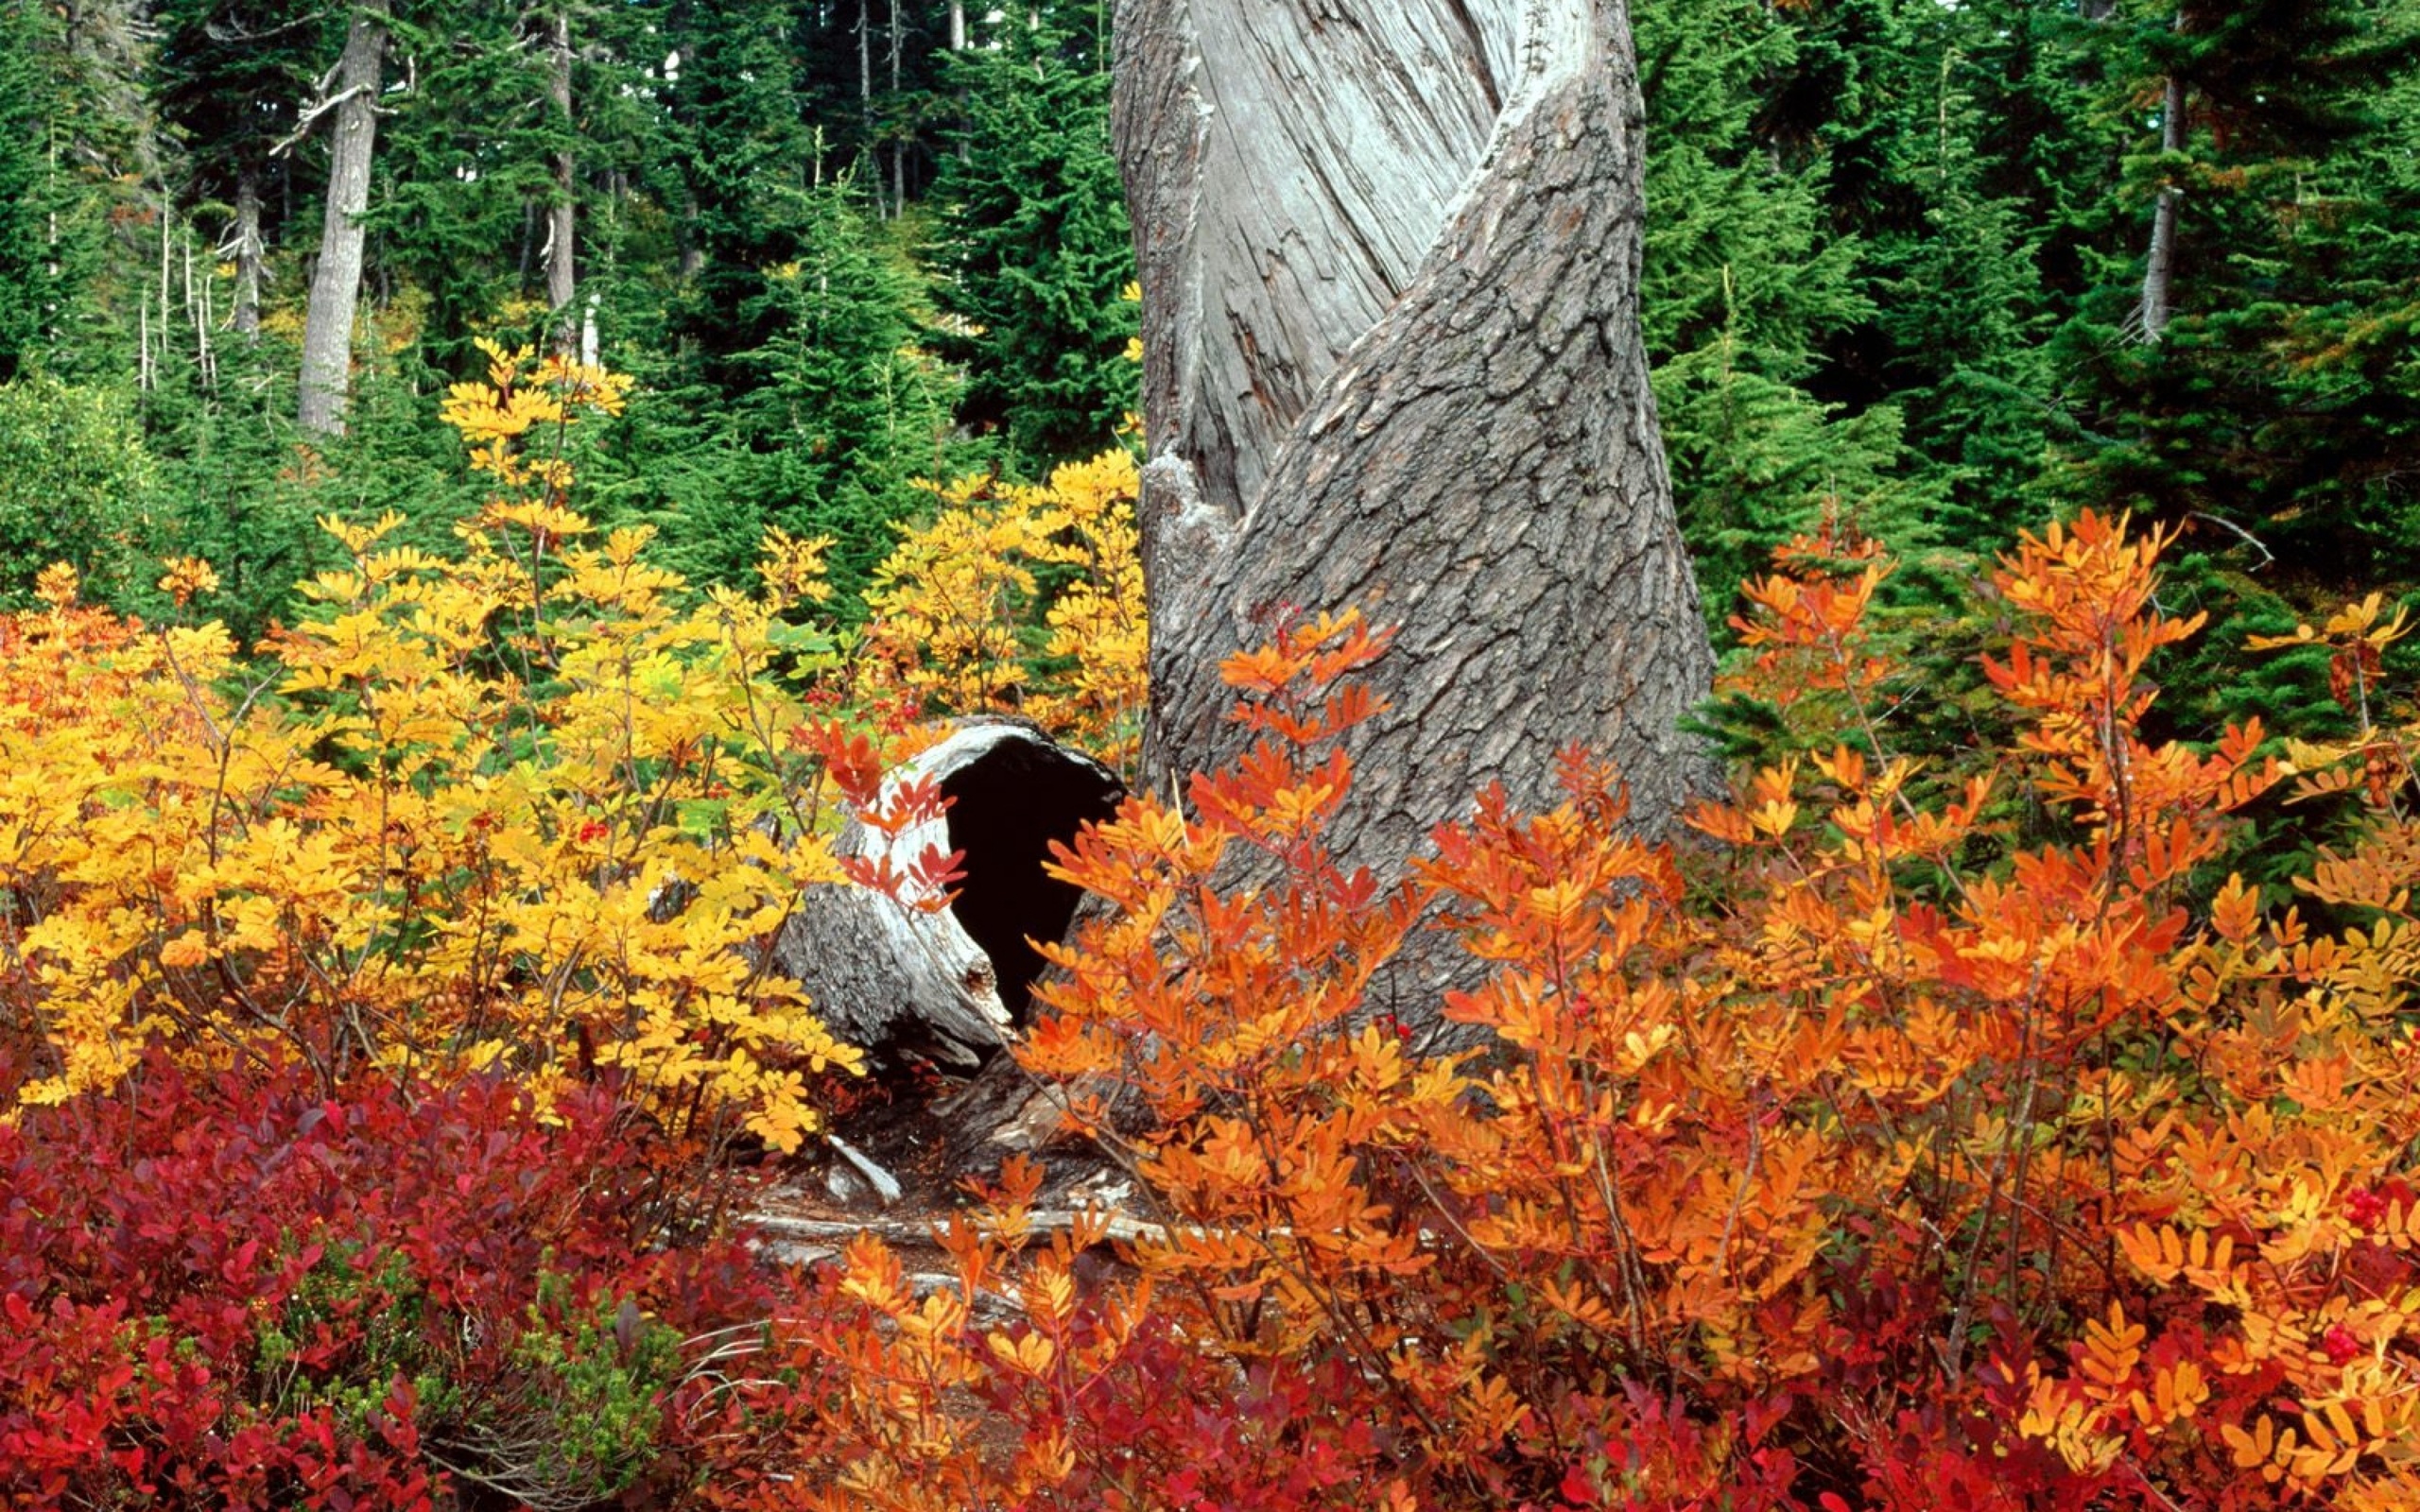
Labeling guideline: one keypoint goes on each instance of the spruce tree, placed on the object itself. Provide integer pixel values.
(2263, 390)
(737, 158)
(1035, 245)
(842, 409)
(27, 283)
(1745, 287)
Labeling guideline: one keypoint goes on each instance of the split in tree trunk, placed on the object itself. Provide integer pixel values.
(335, 279)
(1392, 360)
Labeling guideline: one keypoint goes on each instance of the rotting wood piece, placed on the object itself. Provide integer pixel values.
(951, 983)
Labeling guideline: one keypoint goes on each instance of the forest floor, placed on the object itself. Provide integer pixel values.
(932, 1147)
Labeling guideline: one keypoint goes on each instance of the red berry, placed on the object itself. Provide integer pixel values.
(2340, 1344)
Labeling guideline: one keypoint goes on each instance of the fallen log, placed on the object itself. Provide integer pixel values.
(952, 983)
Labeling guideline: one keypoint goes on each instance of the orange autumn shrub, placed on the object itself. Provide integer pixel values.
(531, 808)
(1861, 1152)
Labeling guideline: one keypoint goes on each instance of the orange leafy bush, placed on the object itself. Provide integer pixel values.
(1874, 1155)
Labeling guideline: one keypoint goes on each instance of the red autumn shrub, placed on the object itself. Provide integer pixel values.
(223, 1289)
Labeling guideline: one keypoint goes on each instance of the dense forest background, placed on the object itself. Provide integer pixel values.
(1947, 268)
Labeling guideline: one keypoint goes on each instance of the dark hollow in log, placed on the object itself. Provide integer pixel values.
(1006, 807)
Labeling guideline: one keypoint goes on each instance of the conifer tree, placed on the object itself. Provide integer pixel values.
(231, 73)
(737, 159)
(1745, 284)
(27, 285)
(2251, 383)
(842, 409)
(1035, 243)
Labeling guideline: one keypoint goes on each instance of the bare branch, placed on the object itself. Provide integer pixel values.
(310, 119)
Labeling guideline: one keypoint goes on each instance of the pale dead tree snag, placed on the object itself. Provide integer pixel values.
(2159, 266)
(561, 224)
(244, 245)
(1390, 254)
(335, 279)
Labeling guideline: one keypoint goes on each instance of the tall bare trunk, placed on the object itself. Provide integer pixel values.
(246, 314)
(563, 225)
(865, 90)
(957, 44)
(898, 145)
(336, 280)
(1392, 359)
(2159, 268)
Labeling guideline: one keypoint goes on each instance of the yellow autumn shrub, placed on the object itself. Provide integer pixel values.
(531, 807)
(1024, 599)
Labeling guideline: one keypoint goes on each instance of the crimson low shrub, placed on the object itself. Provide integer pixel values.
(225, 1288)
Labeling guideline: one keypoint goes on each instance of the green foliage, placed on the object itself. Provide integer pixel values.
(1744, 282)
(76, 486)
(1036, 239)
(45, 245)
(25, 284)
(376, 1300)
(844, 409)
(586, 1393)
(734, 168)
(2282, 400)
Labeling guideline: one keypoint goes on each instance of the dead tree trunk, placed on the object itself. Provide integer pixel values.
(2159, 267)
(248, 256)
(561, 223)
(951, 984)
(336, 280)
(1390, 257)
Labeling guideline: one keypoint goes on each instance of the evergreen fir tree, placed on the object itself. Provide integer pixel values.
(2273, 399)
(1744, 287)
(737, 159)
(843, 411)
(26, 290)
(1035, 242)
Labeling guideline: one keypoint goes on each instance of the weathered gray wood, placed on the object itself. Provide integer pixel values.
(882, 971)
(250, 254)
(563, 228)
(2159, 267)
(335, 279)
(1389, 255)
(877, 969)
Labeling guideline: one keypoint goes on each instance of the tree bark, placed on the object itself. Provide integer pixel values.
(898, 144)
(247, 314)
(561, 214)
(1389, 255)
(865, 98)
(336, 280)
(2159, 267)
(957, 44)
